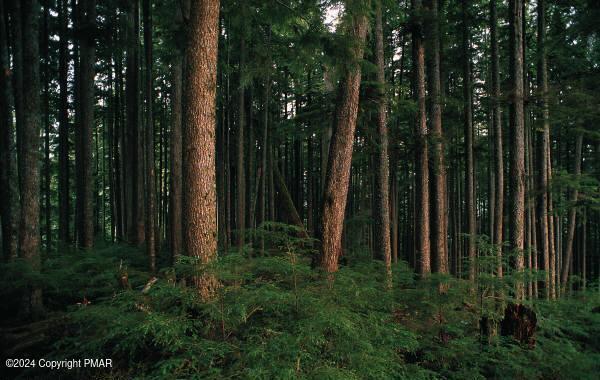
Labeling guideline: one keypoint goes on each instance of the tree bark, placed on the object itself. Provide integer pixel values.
(64, 199)
(199, 196)
(517, 126)
(439, 222)
(29, 229)
(150, 164)
(9, 194)
(498, 149)
(422, 207)
(83, 148)
(338, 169)
(240, 174)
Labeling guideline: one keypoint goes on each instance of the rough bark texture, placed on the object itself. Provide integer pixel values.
(150, 165)
(568, 257)
(199, 195)
(29, 231)
(439, 220)
(382, 240)
(340, 152)
(83, 148)
(497, 133)
(421, 220)
(468, 131)
(64, 199)
(517, 141)
(9, 194)
(240, 175)
(543, 139)
(175, 211)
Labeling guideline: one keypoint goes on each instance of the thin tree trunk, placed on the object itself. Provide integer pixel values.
(568, 257)
(9, 194)
(64, 199)
(240, 174)
(382, 222)
(46, 111)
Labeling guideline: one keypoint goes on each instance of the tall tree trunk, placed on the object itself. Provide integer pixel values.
(421, 219)
(468, 131)
(439, 222)
(83, 151)
(517, 126)
(64, 199)
(16, 27)
(568, 257)
(29, 229)
(338, 170)
(240, 174)
(382, 222)
(175, 193)
(542, 143)
(199, 197)
(9, 194)
(498, 150)
(150, 165)
(46, 111)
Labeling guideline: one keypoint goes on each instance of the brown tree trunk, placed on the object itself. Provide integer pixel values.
(240, 174)
(439, 222)
(64, 199)
(542, 143)
(199, 196)
(517, 125)
(150, 165)
(421, 219)
(45, 77)
(83, 148)
(175, 194)
(382, 220)
(568, 257)
(468, 131)
(338, 169)
(9, 194)
(498, 150)
(29, 231)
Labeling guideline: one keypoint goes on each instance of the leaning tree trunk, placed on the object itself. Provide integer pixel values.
(517, 152)
(199, 196)
(421, 219)
(382, 222)
(338, 169)
(572, 217)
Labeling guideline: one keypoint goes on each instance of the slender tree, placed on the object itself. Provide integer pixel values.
(63, 128)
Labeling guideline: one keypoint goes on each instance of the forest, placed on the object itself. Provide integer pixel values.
(300, 189)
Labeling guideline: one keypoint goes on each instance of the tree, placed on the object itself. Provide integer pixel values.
(338, 170)
(468, 130)
(199, 197)
(149, 139)
(29, 157)
(517, 140)
(439, 222)
(9, 195)
(240, 175)
(421, 220)
(382, 222)
(64, 207)
(497, 137)
(83, 147)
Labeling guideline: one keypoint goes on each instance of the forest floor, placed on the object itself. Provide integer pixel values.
(276, 318)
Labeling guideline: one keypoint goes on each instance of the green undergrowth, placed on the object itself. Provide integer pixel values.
(276, 318)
